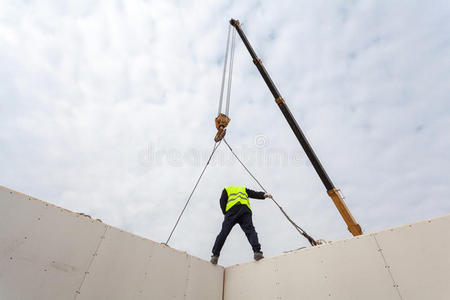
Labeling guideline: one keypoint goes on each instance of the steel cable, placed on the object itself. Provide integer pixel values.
(298, 228)
(230, 73)
(224, 70)
(216, 145)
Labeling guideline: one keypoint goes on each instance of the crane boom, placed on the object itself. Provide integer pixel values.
(334, 193)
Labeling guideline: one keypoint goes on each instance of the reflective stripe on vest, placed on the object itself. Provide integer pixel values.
(236, 194)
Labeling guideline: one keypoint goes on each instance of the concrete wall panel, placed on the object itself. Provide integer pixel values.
(349, 269)
(252, 281)
(418, 256)
(119, 268)
(45, 250)
(354, 269)
(130, 267)
(204, 287)
(168, 271)
(406, 262)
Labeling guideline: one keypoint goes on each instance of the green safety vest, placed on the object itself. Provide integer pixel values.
(236, 194)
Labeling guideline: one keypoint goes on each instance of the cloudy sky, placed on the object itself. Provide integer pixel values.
(108, 108)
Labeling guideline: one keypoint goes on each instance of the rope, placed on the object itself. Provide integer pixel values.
(216, 145)
(224, 69)
(298, 228)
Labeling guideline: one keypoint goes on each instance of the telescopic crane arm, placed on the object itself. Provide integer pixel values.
(334, 193)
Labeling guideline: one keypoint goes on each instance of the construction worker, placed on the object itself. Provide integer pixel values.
(236, 208)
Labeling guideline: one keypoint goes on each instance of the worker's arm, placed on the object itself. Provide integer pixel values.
(255, 195)
(223, 200)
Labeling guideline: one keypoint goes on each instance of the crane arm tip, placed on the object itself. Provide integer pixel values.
(235, 22)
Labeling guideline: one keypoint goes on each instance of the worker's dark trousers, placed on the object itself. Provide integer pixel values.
(237, 214)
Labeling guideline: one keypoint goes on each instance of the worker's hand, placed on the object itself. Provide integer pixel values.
(268, 196)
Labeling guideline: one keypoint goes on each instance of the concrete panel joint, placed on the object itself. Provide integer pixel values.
(78, 291)
(387, 266)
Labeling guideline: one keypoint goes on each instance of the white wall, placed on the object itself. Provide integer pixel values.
(47, 252)
(50, 253)
(407, 262)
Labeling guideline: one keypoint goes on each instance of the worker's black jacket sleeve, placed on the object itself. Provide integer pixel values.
(223, 200)
(250, 193)
(254, 195)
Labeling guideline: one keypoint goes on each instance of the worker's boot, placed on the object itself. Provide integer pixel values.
(258, 255)
(214, 259)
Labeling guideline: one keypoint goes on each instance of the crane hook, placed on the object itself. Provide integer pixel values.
(222, 121)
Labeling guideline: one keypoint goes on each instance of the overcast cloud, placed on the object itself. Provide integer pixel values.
(108, 108)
